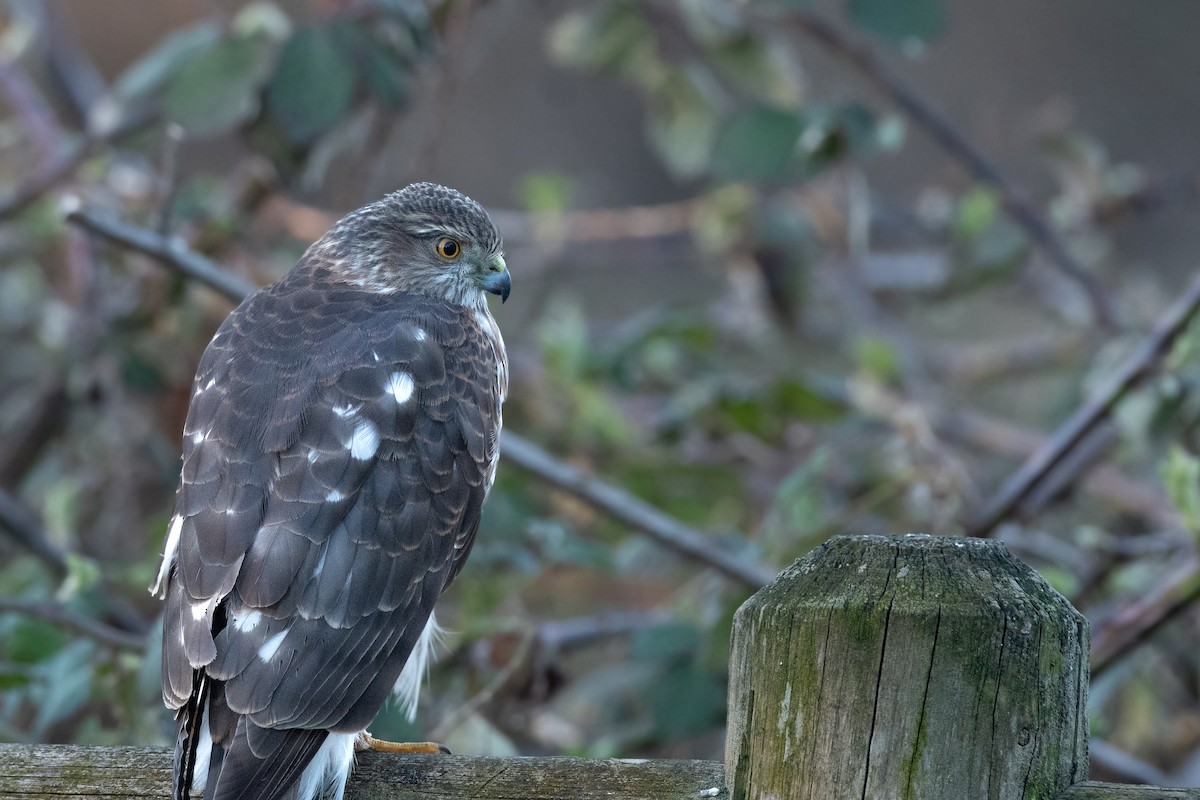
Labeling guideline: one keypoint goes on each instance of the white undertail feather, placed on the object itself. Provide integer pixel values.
(325, 776)
(203, 754)
(407, 688)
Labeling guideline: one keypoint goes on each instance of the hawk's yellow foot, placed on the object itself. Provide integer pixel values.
(366, 741)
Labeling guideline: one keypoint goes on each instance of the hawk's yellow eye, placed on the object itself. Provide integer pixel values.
(448, 248)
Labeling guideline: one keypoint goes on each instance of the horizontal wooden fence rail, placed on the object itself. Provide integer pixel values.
(874, 668)
(68, 772)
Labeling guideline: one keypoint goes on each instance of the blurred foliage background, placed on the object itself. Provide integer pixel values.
(782, 270)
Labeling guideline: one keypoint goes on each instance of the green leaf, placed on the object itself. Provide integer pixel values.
(765, 69)
(1181, 477)
(682, 122)
(756, 144)
(31, 642)
(545, 192)
(876, 356)
(799, 506)
(218, 89)
(153, 70)
(313, 87)
(669, 642)
(685, 700)
(900, 20)
(611, 37)
(977, 211)
(13, 680)
(385, 73)
(1063, 581)
(711, 22)
(796, 399)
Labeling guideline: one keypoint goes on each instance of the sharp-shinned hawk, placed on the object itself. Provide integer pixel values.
(341, 438)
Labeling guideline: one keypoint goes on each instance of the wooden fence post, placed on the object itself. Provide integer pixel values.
(916, 667)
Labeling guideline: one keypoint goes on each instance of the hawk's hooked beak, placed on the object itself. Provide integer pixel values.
(498, 282)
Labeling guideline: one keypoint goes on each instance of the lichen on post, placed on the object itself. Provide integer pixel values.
(930, 668)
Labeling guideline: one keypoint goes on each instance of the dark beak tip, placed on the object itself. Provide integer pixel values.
(499, 284)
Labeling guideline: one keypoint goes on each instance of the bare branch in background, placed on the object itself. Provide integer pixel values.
(46, 419)
(25, 529)
(863, 58)
(1095, 410)
(1123, 767)
(977, 363)
(97, 631)
(1134, 624)
(1105, 482)
(31, 108)
(169, 252)
(638, 514)
(579, 226)
(520, 656)
(604, 497)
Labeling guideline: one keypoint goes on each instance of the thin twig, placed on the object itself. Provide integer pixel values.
(1136, 623)
(25, 529)
(1091, 413)
(1123, 767)
(605, 497)
(942, 131)
(32, 109)
(104, 634)
(45, 420)
(485, 695)
(1104, 482)
(169, 252)
(634, 512)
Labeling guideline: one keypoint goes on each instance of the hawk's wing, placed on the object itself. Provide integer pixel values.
(337, 452)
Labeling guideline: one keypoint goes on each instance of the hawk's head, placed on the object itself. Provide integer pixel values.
(424, 239)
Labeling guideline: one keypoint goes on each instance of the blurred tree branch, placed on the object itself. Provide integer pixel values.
(1094, 411)
(25, 529)
(1134, 624)
(97, 631)
(45, 420)
(608, 499)
(863, 58)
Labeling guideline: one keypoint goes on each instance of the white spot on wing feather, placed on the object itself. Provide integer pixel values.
(246, 622)
(365, 441)
(271, 646)
(419, 334)
(400, 384)
(199, 610)
(334, 496)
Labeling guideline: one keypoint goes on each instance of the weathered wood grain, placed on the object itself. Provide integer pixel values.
(916, 667)
(62, 772)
